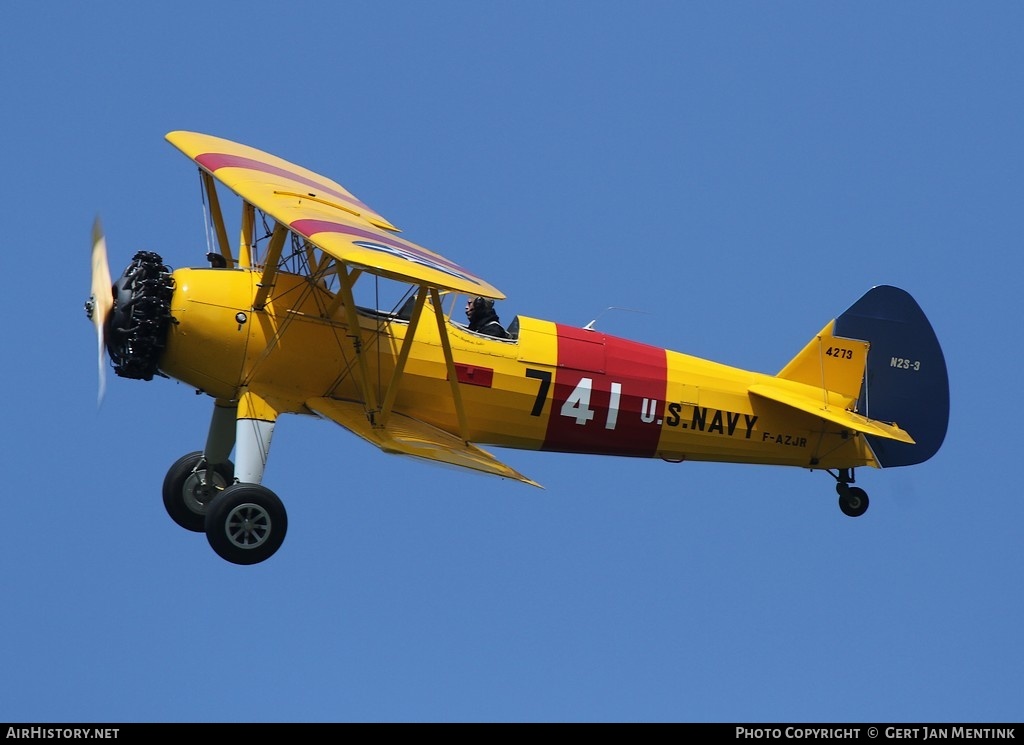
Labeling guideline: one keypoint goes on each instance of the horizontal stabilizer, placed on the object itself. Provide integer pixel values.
(842, 417)
(407, 436)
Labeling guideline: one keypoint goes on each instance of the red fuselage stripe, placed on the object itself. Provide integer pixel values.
(626, 395)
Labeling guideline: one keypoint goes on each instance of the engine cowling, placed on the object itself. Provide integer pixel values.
(136, 331)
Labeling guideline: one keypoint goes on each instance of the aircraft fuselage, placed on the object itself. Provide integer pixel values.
(554, 387)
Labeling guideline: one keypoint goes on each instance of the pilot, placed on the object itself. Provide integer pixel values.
(483, 319)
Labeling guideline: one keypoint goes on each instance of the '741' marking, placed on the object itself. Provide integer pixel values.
(577, 407)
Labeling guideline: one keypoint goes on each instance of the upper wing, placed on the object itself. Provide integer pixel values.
(326, 213)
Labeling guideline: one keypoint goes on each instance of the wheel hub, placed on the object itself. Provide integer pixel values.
(200, 488)
(248, 526)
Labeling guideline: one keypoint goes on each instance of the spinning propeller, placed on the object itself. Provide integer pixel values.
(99, 305)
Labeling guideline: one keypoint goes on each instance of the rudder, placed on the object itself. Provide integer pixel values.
(905, 381)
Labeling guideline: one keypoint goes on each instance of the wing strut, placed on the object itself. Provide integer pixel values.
(379, 417)
(349, 303)
(339, 297)
(403, 356)
(266, 282)
(453, 377)
(216, 215)
(245, 235)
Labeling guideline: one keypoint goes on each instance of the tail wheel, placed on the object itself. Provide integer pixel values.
(246, 524)
(853, 500)
(190, 486)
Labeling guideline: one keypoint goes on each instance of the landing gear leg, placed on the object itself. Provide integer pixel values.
(196, 478)
(246, 523)
(853, 500)
(221, 437)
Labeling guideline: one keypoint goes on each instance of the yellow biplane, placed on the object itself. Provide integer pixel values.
(272, 326)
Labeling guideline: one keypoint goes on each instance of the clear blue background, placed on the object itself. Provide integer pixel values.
(741, 172)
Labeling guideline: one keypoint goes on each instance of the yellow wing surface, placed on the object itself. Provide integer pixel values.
(409, 436)
(325, 213)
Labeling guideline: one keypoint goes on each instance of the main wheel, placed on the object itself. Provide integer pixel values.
(853, 501)
(189, 486)
(246, 524)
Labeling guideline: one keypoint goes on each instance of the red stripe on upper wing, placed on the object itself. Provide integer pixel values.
(635, 373)
(215, 161)
(377, 240)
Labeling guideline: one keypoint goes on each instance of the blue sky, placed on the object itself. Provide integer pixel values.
(741, 172)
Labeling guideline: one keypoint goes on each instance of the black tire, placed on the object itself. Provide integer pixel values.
(246, 524)
(853, 501)
(188, 491)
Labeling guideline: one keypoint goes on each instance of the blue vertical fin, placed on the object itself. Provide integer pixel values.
(905, 381)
